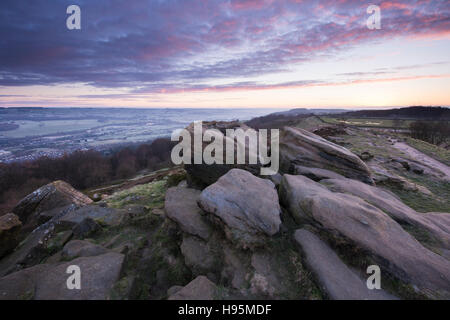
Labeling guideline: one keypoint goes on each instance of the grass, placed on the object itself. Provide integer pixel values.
(150, 195)
(365, 122)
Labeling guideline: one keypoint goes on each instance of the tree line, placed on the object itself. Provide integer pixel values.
(81, 169)
(435, 132)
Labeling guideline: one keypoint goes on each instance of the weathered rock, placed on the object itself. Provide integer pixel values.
(85, 228)
(81, 248)
(181, 206)
(50, 196)
(30, 252)
(246, 205)
(439, 228)
(276, 179)
(371, 229)
(46, 281)
(234, 270)
(174, 289)
(58, 240)
(365, 156)
(198, 256)
(316, 174)
(334, 277)
(107, 216)
(203, 175)
(9, 230)
(21, 285)
(265, 281)
(384, 177)
(98, 275)
(301, 147)
(201, 288)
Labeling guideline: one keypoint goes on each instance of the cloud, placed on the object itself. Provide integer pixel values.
(149, 46)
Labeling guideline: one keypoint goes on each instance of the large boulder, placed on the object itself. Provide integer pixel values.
(369, 228)
(81, 248)
(435, 224)
(203, 175)
(334, 277)
(301, 147)
(246, 206)
(53, 195)
(198, 255)
(9, 230)
(181, 206)
(49, 282)
(201, 288)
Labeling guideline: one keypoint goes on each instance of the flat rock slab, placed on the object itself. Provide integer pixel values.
(98, 275)
(301, 147)
(335, 278)
(371, 229)
(201, 288)
(49, 282)
(437, 225)
(247, 207)
(181, 206)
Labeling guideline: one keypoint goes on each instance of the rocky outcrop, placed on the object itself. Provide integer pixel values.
(201, 288)
(99, 272)
(181, 206)
(247, 214)
(434, 224)
(369, 228)
(301, 147)
(333, 275)
(9, 231)
(203, 175)
(50, 196)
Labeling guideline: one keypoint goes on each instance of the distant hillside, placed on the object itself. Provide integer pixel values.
(417, 112)
(290, 117)
(306, 111)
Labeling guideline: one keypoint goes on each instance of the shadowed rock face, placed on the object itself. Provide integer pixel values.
(50, 196)
(246, 213)
(9, 230)
(335, 278)
(369, 228)
(203, 175)
(301, 147)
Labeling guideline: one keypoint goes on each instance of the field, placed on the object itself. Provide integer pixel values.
(369, 122)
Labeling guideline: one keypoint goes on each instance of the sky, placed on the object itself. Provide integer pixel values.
(224, 53)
